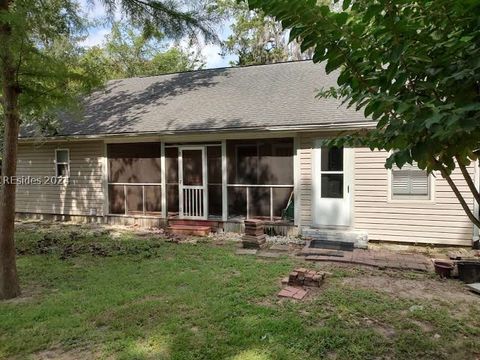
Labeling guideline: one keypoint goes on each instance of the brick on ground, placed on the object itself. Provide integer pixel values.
(280, 247)
(246, 251)
(266, 254)
(293, 293)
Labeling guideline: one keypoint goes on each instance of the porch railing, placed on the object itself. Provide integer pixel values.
(194, 201)
(125, 185)
(250, 186)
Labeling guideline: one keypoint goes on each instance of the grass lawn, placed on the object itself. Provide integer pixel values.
(91, 296)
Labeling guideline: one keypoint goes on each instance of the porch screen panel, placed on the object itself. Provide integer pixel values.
(131, 168)
(237, 202)
(262, 162)
(246, 163)
(192, 167)
(214, 170)
(259, 202)
(262, 171)
(116, 198)
(171, 167)
(134, 199)
(153, 198)
(280, 202)
(134, 163)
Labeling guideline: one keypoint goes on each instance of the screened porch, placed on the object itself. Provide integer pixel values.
(229, 180)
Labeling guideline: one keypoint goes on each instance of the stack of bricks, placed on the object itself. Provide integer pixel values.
(304, 277)
(254, 236)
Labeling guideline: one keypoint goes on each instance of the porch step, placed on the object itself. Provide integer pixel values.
(195, 230)
(214, 225)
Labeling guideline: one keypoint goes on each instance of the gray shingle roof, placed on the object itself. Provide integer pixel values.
(218, 99)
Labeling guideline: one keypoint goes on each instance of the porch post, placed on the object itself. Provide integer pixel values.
(105, 180)
(224, 182)
(163, 180)
(296, 181)
(476, 206)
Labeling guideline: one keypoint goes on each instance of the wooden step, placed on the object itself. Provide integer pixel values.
(212, 224)
(196, 230)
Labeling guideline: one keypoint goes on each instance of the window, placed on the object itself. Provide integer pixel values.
(410, 182)
(62, 163)
(331, 172)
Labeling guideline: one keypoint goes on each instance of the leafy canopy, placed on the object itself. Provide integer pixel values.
(256, 38)
(412, 66)
(51, 69)
(129, 52)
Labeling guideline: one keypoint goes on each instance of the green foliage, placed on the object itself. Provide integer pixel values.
(42, 45)
(52, 70)
(412, 66)
(256, 38)
(176, 19)
(128, 52)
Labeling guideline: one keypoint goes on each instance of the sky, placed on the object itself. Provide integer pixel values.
(210, 52)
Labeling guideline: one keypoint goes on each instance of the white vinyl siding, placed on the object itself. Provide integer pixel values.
(83, 193)
(439, 220)
(410, 182)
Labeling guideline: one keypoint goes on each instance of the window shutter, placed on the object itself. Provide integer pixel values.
(419, 182)
(410, 180)
(400, 182)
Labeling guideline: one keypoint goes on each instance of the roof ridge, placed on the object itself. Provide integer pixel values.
(212, 69)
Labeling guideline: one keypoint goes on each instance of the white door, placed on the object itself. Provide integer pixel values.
(192, 182)
(332, 170)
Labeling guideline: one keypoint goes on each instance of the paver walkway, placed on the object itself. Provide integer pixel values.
(379, 258)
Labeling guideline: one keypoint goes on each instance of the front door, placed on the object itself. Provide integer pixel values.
(331, 186)
(193, 188)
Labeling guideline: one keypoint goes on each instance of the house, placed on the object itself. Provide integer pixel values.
(223, 145)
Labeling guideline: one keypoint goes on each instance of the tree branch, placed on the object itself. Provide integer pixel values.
(468, 179)
(457, 193)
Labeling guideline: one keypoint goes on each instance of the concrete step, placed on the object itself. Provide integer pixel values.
(343, 239)
(195, 230)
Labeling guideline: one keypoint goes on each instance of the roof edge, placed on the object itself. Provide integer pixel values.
(292, 128)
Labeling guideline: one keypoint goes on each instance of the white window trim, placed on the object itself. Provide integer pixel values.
(64, 163)
(421, 199)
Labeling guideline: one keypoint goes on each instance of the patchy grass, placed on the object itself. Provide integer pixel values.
(145, 298)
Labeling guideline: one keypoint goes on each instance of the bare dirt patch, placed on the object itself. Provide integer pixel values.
(421, 289)
(62, 354)
(29, 293)
(383, 329)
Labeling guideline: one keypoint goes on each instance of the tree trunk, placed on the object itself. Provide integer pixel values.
(9, 287)
(469, 181)
(462, 201)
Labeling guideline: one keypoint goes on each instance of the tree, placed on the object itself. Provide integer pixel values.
(412, 66)
(39, 76)
(256, 38)
(129, 52)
